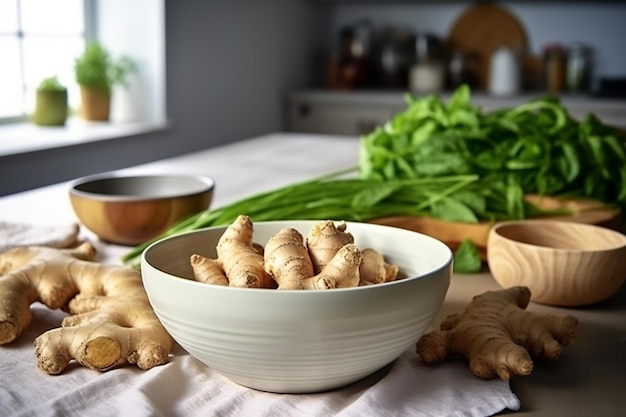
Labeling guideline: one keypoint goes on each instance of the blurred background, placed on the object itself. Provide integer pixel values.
(212, 72)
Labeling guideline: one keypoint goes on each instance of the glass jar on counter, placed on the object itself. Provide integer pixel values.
(395, 57)
(554, 63)
(578, 68)
(350, 66)
(427, 75)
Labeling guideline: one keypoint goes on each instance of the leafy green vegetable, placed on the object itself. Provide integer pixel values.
(466, 258)
(535, 148)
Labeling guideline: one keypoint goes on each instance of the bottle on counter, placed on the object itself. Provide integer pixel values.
(578, 76)
(554, 65)
(350, 67)
(504, 72)
(457, 69)
(427, 74)
(395, 58)
(427, 77)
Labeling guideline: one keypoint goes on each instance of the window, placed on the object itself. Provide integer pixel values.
(38, 39)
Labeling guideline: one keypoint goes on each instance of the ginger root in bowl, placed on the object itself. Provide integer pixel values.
(328, 258)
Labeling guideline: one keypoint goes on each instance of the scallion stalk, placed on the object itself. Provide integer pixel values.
(329, 197)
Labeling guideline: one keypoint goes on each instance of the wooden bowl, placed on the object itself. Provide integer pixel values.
(562, 263)
(130, 210)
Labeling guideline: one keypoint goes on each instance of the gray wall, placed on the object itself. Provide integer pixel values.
(229, 64)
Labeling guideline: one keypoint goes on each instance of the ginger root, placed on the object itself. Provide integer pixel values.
(343, 268)
(111, 321)
(324, 240)
(288, 262)
(240, 257)
(327, 259)
(498, 336)
(208, 270)
(374, 269)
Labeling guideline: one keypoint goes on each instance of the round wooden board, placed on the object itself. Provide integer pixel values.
(481, 29)
(453, 233)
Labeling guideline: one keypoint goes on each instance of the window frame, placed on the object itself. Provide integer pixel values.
(90, 20)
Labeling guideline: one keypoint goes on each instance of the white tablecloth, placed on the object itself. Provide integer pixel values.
(184, 386)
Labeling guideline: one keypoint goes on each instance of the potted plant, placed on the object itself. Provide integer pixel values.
(51, 103)
(96, 74)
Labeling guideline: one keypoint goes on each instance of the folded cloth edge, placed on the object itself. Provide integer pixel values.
(13, 234)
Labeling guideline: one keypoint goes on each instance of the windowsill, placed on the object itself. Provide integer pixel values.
(26, 137)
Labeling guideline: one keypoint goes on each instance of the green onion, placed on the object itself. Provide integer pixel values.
(330, 197)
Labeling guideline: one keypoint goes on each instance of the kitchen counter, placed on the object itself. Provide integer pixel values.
(588, 380)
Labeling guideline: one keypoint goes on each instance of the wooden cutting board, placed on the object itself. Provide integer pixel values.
(451, 233)
(481, 29)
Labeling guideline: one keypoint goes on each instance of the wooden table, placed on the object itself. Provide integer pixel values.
(588, 380)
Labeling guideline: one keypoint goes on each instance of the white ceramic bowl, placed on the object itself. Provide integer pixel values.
(303, 340)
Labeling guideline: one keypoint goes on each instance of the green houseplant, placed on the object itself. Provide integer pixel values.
(97, 73)
(51, 106)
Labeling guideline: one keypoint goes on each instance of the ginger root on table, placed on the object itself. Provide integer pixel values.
(498, 336)
(111, 321)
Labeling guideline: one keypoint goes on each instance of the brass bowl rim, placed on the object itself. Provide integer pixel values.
(86, 187)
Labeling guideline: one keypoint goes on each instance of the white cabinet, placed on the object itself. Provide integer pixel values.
(358, 112)
(341, 113)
